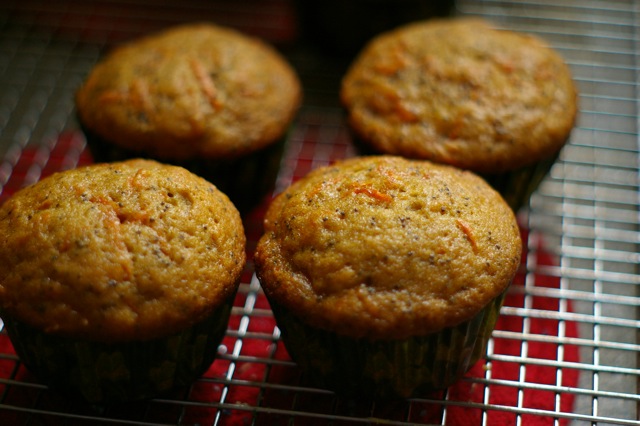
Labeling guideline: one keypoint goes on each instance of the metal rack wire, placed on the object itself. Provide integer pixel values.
(566, 349)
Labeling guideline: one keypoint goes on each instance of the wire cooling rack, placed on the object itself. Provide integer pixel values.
(566, 348)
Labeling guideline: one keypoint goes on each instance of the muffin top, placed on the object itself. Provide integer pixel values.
(192, 90)
(459, 92)
(387, 248)
(118, 252)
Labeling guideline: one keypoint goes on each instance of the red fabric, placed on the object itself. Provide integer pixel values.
(251, 370)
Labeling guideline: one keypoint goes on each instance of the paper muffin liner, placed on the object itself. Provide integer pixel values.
(246, 180)
(119, 372)
(517, 186)
(403, 368)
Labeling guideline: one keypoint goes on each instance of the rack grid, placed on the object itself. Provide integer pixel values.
(565, 350)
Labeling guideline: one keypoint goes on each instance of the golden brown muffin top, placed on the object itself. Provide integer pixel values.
(386, 248)
(189, 91)
(118, 252)
(459, 92)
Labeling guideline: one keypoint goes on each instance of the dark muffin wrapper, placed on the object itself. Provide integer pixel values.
(412, 367)
(246, 180)
(518, 185)
(105, 373)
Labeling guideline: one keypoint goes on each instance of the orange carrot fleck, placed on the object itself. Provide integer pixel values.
(206, 83)
(373, 193)
(404, 114)
(466, 229)
(113, 96)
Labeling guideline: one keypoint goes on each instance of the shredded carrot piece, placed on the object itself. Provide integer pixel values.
(141, 97)
(466, 229)
(391, 176)
(102, 200)
(139, 179)
(373, 193)
(113, 96)
(395, 62)
(405, 114)
(206, 83)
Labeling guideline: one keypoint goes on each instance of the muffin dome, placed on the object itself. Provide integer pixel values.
(387, 248)
(190, 91)
(460, 92)
(118, 252)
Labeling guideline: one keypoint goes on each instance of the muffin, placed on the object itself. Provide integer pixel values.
(460, 92)
(118, 279)
(386, 275)
(201, 96)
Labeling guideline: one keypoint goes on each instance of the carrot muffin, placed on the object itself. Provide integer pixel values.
(118, 279)
(386, 275)
(460, 92)
(209, 98)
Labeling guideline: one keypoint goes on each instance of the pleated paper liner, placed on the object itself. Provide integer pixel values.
(516, 186)
(120, 372)
(386, 368)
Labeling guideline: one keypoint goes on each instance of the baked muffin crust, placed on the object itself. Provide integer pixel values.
(189, 91)
(387, 248)
(118, 252)
(459, 92)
